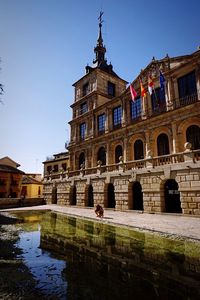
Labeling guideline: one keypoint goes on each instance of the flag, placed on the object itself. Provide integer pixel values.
(150, 84)
(133, 92)
(162, 81)
(143, 91)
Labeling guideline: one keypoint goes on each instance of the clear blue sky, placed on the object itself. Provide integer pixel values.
(45, 46)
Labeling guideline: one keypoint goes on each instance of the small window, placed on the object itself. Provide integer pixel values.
(187, 85)
(117, 117)
(193, 136)
(138, 150)
(81, 160)
(162, 144)
(85, 89)
(84, 108)
(118, 153)
(49, 168)
(111, 89)
(55, 168)
(135, 109)
(64, 166)
(82, 131)
(101, 123)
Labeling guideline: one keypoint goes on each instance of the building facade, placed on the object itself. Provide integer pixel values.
(32, 186)
(10, 178)
(141, 154)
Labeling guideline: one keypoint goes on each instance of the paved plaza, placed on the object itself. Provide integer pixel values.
(170, 224)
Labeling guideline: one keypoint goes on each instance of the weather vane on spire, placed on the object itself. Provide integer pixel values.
(100, 18)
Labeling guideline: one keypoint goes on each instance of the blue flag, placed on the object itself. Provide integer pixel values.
(162, 81)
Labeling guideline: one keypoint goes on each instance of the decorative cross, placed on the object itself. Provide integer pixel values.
(100, 17)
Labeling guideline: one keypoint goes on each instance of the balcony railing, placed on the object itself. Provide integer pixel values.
(147, 163)
(187, 100)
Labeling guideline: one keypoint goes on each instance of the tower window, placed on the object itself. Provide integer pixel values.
(111, 89)
(101, 123)
(85, 89)
(84, 108)
(82, 130)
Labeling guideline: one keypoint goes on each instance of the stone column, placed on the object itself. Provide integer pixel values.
(174, 135)
(125, 149)
(147, 144)
(198, 80)
(169, 94)
(123, 113)
(107, 121)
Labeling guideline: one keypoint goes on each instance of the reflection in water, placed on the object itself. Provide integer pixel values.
(109, 262)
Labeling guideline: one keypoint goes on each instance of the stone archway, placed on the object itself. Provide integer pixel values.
(54, 195)
(89, 196)
(72, 196)
(109, 196)
(135, 196)
(172, 197)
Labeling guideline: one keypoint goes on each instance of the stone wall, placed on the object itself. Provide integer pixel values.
(18, 202)
(152, 182)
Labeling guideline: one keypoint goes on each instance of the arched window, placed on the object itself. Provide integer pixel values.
(118, 153)
(81, 160)
(138, 150)
(193, 136)
(101, 155)
(163, 144)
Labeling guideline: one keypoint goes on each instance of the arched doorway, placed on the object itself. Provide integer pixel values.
(111, 196)
(90, 196)
(137, 197)
(54, 195)
(172, 197)
(101, 155)
(162, 144)
(193, 136)
(81, 160)
(138, 150)
(118, 153)
(73, 196)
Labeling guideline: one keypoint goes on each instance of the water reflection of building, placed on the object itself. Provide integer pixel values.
(123, 260)
(136, 155)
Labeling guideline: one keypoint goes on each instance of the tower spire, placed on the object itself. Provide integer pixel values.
(100, 50)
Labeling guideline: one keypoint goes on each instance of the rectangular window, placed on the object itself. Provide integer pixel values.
(101, 123)
(111, 89)
(117, 117)
(158, 101)
(55, 168)
(85, 89)
(84, 108)
(136, 109)
(82, 130)
(49, 168)
(187, 85)
(64, 166)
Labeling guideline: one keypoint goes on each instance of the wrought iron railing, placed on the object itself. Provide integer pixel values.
(187, 100)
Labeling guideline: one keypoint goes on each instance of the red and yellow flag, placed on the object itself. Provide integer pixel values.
(143, 91)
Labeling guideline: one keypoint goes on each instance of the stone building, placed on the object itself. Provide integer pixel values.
(141, 154)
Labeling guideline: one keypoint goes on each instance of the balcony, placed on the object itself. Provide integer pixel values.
(187, 100)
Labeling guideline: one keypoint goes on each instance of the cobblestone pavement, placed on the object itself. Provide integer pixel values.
(168, 224)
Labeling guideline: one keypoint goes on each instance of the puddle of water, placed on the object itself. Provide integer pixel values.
(73, 258)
